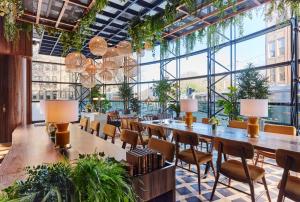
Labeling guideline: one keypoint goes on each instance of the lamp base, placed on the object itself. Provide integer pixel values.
(253, 127)
(189, 119)
(62, 139)
(62, 127)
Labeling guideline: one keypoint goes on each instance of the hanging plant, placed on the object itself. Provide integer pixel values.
(283, 8)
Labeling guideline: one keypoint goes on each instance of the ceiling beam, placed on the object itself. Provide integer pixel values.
(61, 14)
(85, 12)
(222, 19)
(49, 8)
(38, 13)
(201, 19)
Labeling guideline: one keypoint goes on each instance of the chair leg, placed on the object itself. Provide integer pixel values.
(124, 145)
(105, 137)
(215, 186)
(113, 140)
(176, 162)
(207, 147)
(256, 160)
(266, 188)
(229, 182)
(252, 191)
(199, 180)
(213, 169)
(189, 166)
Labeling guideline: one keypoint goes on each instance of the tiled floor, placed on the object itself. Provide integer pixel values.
(187, 186)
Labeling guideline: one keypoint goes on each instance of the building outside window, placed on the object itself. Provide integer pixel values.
(281, 46)
(271, 48)
(282, 74)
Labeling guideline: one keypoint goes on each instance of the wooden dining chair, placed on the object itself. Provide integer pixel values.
(143, 137)
(238, 124)
(157, 131)
(83, 123)
(124, 123)
(204, 140)
(191, 155)
(205, 120)
(289, 185)
(235, 169)
(272, 128)
(167, 149)
(109, 131)
(129, 137)
(95, 127)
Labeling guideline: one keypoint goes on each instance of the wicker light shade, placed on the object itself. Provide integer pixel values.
(98, 46)
(74, 62)
(88, 80)
(124, 48)
(111, 59)
(106, 75)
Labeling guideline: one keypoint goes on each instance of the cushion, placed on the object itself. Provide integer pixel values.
(187, 156)
(234, 169)
(292, 188)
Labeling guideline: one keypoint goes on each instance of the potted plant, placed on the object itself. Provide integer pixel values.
(252, 85)
(175, 107)
(164, 90)
(214, 122)
(135, 105)
(91, 178)
(125, 93)
(230, 103)
(104, 103)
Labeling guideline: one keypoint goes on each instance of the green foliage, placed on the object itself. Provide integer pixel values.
(135, 105)
(252, 84)
(92, 178)
(95, 92)
(44, 183)
(98, 179)
(214, 121)
(125, 93)
(104, 103)
(283, 8)
(175, 107)
(230, 104)
(164, 90)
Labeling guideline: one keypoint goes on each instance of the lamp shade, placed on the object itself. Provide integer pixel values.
(254, 107)
(188, 105)
(61, 111)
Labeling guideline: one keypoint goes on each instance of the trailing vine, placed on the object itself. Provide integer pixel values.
(283, 8)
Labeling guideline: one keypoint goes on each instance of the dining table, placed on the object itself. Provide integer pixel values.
(265, 141)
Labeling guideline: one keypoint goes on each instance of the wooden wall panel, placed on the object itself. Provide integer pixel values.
(15, 105)
(21, 47)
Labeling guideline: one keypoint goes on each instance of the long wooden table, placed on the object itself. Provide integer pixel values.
(266, 141)
(32, 146)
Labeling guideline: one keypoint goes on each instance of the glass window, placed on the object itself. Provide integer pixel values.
(271, 49)
(281, 46)
(282, 74)
(150, 72)
(195, 65)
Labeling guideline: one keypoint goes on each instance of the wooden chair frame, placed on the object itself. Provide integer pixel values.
(247, 173)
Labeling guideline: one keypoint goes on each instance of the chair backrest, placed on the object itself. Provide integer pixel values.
(83, 123)
(109, 130)
(289, 160)
(238, 124)
(167, 149)
(194, 119)
(205, 120)
(186, 137)
(156, 131)
(136, 126)
(130, 137)
(234, 148)
(124, 123)
(285, 130)
(148, 117)
(95, 126)
(130, 120)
